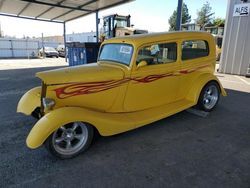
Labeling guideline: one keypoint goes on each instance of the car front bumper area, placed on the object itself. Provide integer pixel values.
(30, 101)
(51, 54)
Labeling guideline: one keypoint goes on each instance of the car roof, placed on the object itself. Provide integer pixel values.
(140, 39)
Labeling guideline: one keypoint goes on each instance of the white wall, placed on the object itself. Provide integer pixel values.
(81, 37)
(22, 48)
(235, 57)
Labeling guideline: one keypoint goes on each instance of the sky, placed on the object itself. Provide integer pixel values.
(145, 14)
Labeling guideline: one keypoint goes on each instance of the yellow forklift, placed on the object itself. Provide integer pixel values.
(117, 25)
(113, 26)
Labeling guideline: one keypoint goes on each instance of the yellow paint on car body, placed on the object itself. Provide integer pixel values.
(114, 97)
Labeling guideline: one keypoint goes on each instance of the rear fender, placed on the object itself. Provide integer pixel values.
(106, 123)
(200, 82)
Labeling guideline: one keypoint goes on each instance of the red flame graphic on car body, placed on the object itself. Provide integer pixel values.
(87, 88)
(75, 89)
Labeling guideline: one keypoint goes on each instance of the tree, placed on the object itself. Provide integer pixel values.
(218, 22)
(204, 15)
(186, 18)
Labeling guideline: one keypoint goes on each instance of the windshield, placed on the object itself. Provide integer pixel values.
(120, 23)
(49, 49)
(120, 53)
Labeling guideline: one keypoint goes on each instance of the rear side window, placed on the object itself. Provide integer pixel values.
(192, 49)
(158, 53)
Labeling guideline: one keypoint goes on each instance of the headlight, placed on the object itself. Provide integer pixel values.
(48, 103)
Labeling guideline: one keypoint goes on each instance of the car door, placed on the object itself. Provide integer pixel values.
(194, 60)
(155, 83)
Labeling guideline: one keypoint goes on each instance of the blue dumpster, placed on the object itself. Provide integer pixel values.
(82, 53)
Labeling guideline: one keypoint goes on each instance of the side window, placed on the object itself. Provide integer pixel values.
(192, 49)
(158, 53)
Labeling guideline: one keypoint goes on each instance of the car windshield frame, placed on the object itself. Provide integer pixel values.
(128, 62)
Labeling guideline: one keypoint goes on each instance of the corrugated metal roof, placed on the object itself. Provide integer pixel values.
(55, 10)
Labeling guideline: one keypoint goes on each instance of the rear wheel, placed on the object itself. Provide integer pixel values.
(70, 140)
(209, 97)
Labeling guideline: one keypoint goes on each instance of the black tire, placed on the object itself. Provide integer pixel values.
(37, 113)
(60, 149)
(218, 57)
(209, 96)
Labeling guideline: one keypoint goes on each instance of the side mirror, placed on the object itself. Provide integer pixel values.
(142, 63)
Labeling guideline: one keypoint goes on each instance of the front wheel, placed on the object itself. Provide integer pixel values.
(209, 97)
(70, 140)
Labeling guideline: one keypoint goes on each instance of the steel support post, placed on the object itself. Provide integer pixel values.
(97, 23)
(179, 15)
(64, 40)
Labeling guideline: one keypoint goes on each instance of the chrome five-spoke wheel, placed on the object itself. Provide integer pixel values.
(69, 140)
(209, 97)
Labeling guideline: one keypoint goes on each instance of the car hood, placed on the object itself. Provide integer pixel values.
(83, 73)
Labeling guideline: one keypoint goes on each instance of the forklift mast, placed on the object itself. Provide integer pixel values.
(111, 22)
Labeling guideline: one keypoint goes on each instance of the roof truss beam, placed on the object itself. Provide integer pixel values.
(59, 3)
(26, 6)
(56, 5)
(30, 18)
(113, 5)
(1, 4)
(85, 4)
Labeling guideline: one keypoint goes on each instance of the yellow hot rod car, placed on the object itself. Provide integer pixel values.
(137, 80)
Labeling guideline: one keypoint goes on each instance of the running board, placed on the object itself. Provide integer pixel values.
(144, 117)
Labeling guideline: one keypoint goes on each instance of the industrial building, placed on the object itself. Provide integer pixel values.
(235, 57)
(28, 48)
(73, 37)
(215, 30)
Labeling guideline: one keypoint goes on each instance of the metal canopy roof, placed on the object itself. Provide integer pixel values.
(58, 11)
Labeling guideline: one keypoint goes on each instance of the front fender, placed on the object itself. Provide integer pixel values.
(106, 123)
(199, 83)
(30, 101)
